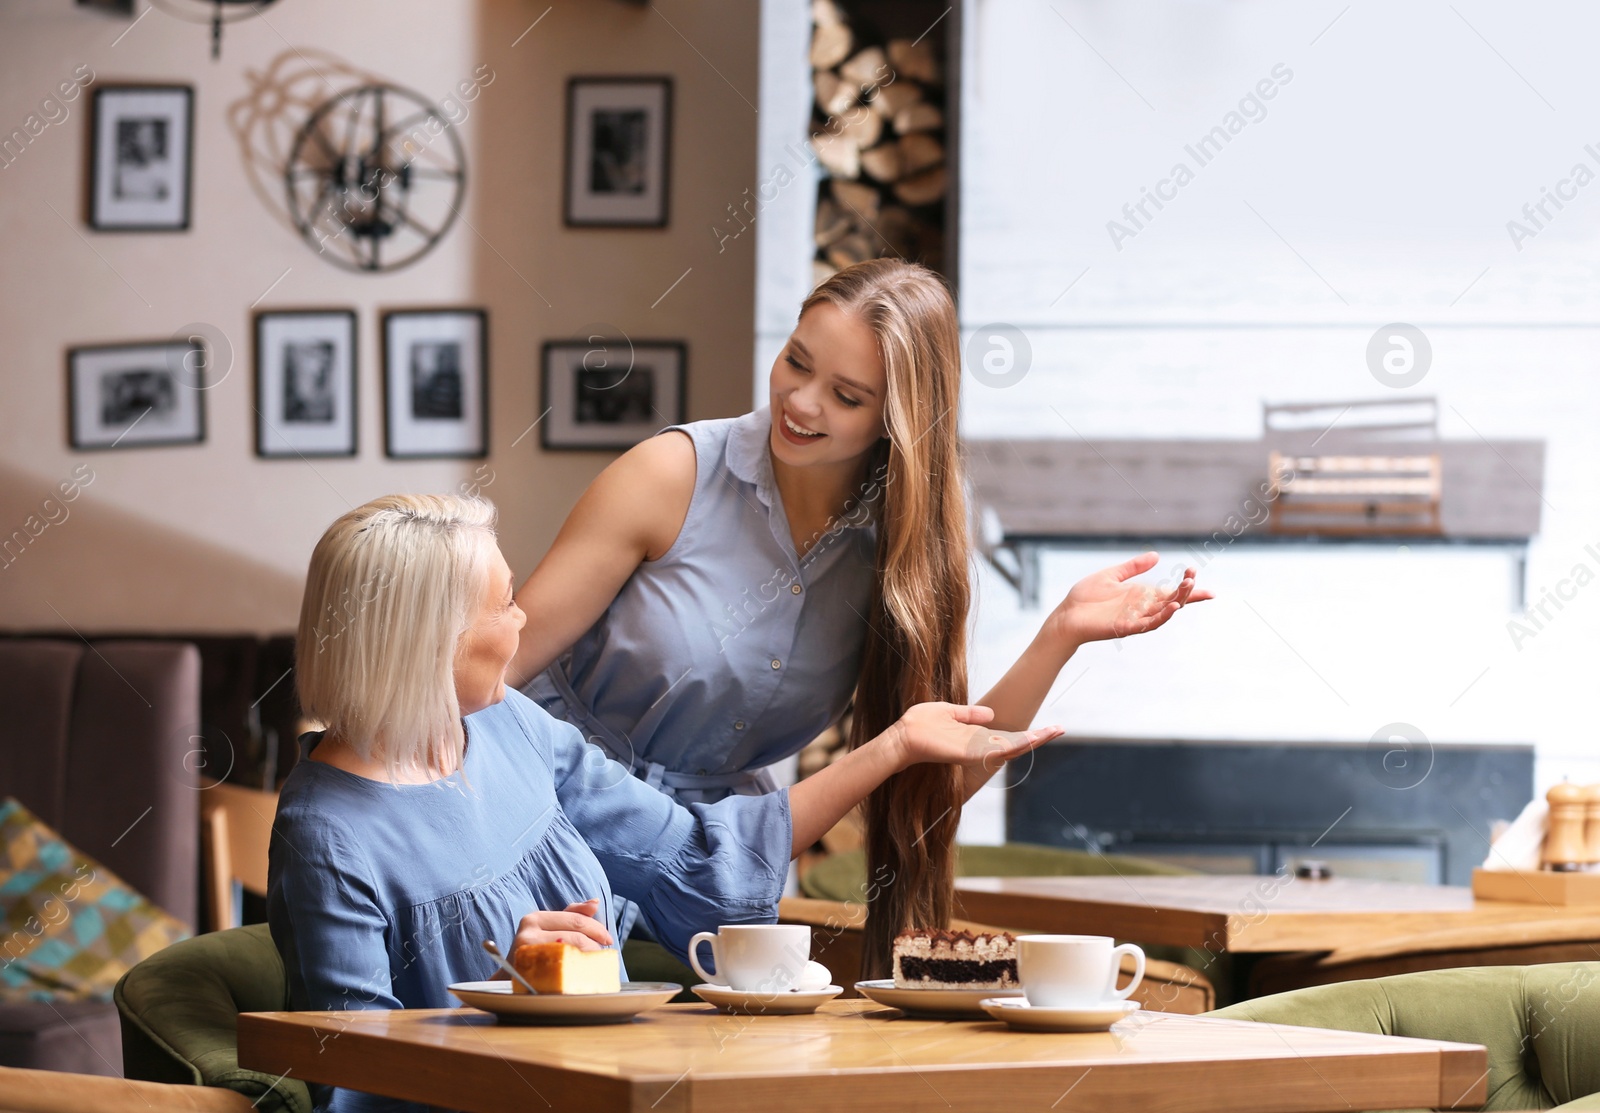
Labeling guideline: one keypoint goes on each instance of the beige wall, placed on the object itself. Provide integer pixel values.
(209, 537)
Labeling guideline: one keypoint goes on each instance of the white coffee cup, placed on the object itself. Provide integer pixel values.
(1074, 971)
(759, 958)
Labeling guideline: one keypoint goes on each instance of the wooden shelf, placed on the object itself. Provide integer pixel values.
(1207, 494)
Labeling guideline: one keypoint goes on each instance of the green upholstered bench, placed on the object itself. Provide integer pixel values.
(1541, 1024)
(844, 876)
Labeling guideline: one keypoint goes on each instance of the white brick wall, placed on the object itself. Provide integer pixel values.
(1377, 187)
(1375, 190)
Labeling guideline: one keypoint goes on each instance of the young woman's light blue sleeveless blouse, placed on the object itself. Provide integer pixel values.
(729, 653)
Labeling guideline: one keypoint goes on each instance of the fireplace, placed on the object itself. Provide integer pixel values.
(1369, 811)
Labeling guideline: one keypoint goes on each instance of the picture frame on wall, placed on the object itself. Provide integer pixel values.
(136, 395)
(306, 383)
(141, 159)
(619, 137)
(436, 383)
(609, 400)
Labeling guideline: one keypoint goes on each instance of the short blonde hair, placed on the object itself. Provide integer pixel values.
(392, 587)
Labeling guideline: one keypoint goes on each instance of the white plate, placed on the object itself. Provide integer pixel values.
(932, 1002)
(1016, 1012)
(565, 1008)
(788, 1002)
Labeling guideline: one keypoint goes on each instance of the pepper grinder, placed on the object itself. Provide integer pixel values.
(1591, 826)
(1565, 846)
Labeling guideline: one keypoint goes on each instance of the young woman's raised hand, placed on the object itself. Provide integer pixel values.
(577, 925)
(1108, 604)
(957, 734)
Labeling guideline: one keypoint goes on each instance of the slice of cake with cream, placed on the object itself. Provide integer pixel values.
(563, 968)
(942, 959)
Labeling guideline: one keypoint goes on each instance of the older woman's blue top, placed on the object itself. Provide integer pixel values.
(730, 651)
(381, 895)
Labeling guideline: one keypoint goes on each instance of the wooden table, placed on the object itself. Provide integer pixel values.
(1242, 914)
(855, 1054)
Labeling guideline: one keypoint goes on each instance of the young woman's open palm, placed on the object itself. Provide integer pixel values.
(1108, 604)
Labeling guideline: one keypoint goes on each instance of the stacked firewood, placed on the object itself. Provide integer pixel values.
(878, 130)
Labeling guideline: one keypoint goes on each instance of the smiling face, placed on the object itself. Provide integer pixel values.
(490, 641)
(827, 390)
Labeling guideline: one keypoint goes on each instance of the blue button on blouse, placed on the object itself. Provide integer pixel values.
(380, 895)
(729, 652)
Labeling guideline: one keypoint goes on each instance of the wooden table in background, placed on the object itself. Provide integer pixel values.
(855, 1054)
(1263, 914)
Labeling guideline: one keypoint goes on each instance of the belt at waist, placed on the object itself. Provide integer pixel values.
(653, 773)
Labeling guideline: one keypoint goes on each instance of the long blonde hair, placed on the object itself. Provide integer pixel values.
(392, 587)
(916, 648)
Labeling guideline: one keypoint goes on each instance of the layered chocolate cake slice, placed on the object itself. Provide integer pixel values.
(955, 960)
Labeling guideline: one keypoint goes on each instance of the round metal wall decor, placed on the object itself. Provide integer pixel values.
(375, 178)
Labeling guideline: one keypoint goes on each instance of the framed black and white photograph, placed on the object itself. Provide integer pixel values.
(142, 154)
(618, 139)
(608, 397)
(305, 383)
(136, 395)
(436, 383)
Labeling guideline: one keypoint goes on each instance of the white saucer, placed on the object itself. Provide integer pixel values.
(565, 1008)
(1016, 1012)
(932, 1002)
(785, 1002)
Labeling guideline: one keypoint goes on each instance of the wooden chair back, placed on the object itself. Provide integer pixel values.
(235, 832)
(1355, 495)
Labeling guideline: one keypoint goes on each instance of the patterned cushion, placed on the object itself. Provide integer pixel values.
(71, 927)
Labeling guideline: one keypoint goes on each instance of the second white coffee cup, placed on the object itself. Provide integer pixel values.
(1074, 971)
(754, 958)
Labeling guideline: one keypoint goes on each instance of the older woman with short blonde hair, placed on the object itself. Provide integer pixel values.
(439, 808)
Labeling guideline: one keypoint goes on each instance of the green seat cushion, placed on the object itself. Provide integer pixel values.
(1540, 1024)
(844, 876)
(649, 961)
(180, 1014)
(72, 927)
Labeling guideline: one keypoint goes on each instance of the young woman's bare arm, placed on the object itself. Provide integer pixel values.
(947, 733)
(631, 513)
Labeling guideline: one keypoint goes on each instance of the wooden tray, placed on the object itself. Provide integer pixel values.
(1540, 887)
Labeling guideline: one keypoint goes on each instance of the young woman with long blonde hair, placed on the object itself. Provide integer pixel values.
(721, 591)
